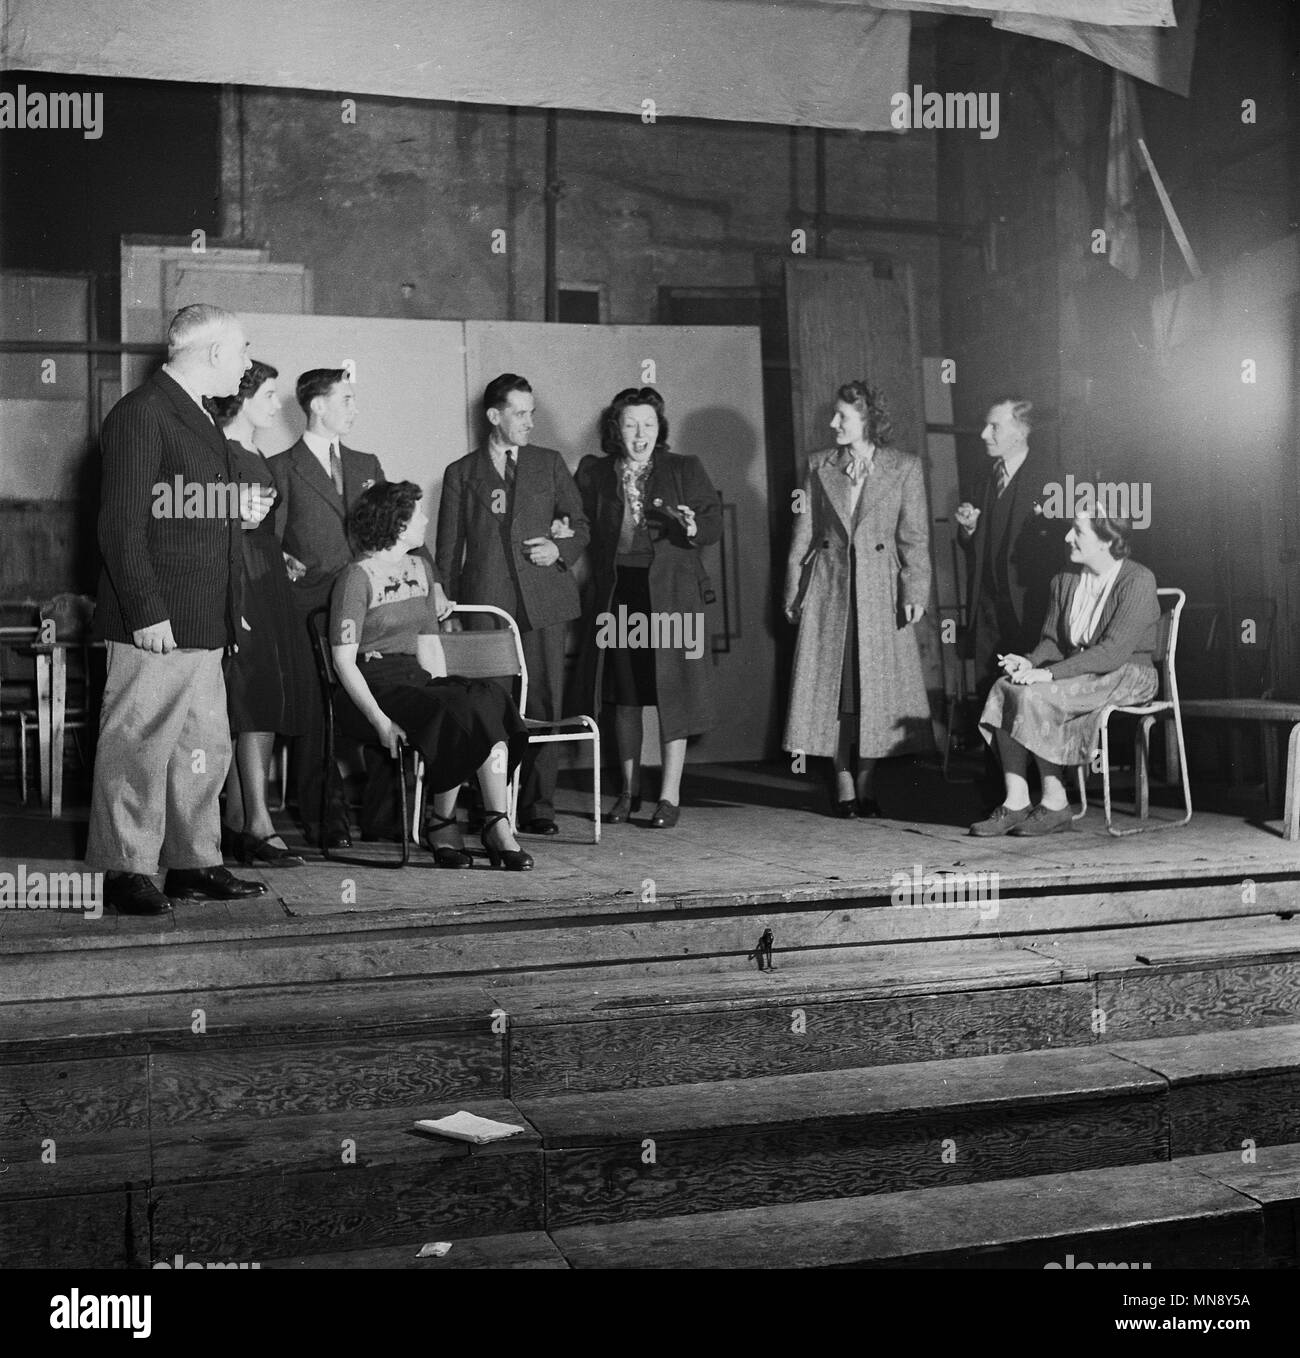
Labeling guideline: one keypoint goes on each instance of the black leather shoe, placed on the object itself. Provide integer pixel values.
(513, 860)
(254, 850)
(869, 808)
(623, 808)
(215, 884)
(132, 893)
(847, 809)
(540, 825)
(444, 855)
(665, 816)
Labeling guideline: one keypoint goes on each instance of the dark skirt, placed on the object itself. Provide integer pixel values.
(629, 673)
(851, 673)
(454, 722)
(271, 677)
(1060, 720)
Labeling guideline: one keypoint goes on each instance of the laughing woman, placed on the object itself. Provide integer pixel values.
(650, 512)
(857, 581)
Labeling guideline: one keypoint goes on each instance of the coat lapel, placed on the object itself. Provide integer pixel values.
(315, 476)
(885, 467)
(191, 415)
(839, 489)
(484, 479)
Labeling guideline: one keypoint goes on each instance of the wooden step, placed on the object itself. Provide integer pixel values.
(76, 1200)
(615, 934)
(1270, 1176)
(708, 1147)
(340, 1181)
(1150, 1216)
(524, 1249)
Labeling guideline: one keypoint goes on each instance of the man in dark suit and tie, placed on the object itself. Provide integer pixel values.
(495, 546)
(318, 481)
(169, 527)
(1012, 550)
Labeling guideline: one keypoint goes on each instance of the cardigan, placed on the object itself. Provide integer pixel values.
(1126, 634)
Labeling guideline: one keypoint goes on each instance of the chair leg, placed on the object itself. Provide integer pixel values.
(1105, 770)
(1142, 767)
(1082, 771)
(1291, 814)
(595, 787)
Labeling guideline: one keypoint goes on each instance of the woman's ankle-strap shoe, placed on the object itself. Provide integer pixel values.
(513, 860)
(665, 816)
(254, 850)
(623, 808)
(444, 855)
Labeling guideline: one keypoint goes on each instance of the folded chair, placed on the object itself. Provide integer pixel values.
(1165, 704)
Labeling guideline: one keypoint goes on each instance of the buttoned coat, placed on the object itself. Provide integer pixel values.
(158, 564)
(879, 554)
(310, 518)
(1030, 553)
(682, 684)
(474, 564)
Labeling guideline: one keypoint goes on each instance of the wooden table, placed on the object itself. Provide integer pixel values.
(51, 712)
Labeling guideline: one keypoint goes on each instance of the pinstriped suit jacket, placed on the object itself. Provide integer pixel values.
(165, 566)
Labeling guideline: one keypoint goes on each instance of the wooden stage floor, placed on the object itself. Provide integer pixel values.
(748, 838)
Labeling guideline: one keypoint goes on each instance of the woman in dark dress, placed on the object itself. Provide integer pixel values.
(271, 671)
(650, 513)
(384, 629)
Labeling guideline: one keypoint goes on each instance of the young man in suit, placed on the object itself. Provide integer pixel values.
(165, 612)
(495, 547)
(318, 481)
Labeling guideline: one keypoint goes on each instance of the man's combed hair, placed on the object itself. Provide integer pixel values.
(223, 409)
(317, 382)
(611, 435)
(497, 392)
(199, 323)
(869, 402)
(1022, 411)
(379, 517)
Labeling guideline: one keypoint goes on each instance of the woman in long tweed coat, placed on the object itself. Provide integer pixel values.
(858, 580)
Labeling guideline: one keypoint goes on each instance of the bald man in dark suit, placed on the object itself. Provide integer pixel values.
(495, 547)
(169, 536)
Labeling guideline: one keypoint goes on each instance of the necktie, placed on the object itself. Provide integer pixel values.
(336, 468)
(1004, 479)
(511, 455)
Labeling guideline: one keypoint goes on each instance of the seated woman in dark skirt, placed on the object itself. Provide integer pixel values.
(1097, 649)
(390, 663)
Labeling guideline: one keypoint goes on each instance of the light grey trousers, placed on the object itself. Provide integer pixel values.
(160, 763)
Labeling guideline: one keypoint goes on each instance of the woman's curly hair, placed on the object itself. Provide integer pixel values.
(223, 409)
(869, 402)
(379, 517)
(611, 436)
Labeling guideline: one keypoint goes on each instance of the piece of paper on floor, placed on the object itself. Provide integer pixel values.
(463, 1126)
(434, 1250)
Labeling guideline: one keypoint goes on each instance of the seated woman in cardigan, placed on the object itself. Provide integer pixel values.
(1097, 649)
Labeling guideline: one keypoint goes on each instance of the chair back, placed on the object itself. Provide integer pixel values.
(318, 630)
(493, 653)
(1171, 609)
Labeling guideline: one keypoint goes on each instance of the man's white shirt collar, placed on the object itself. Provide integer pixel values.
(320, 445)
(187, 389)
(1013, 464)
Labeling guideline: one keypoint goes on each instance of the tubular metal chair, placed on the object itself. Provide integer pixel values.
(499, 653)
(318, 630)
(1164, 704)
